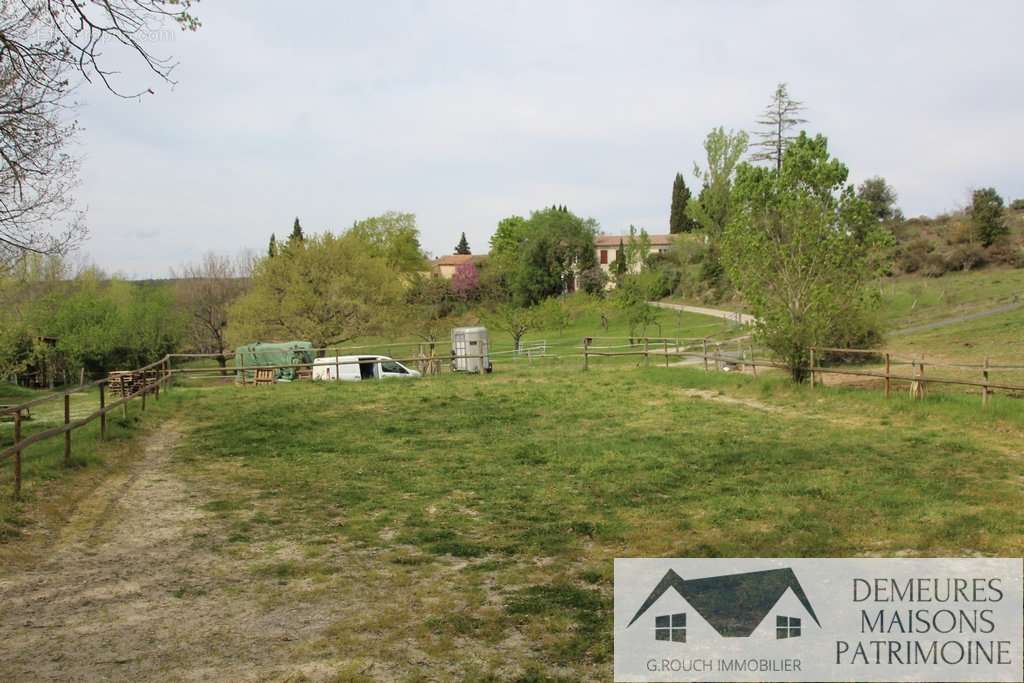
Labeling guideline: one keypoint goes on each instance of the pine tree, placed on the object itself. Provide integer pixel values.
(463, 246)
(678, 221)
(272, 249)
(779, 118)
(296, 232)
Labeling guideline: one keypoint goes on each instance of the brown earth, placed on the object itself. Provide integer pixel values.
(130, 591)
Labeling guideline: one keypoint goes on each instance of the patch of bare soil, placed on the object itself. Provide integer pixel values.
(129, 592)
(708, 395)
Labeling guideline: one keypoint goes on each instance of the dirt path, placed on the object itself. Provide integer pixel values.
(130, 592)
(734, 316)
(966, 317)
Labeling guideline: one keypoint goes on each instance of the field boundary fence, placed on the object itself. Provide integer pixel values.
(738, 354)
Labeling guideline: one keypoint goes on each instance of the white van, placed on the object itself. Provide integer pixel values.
(356, 368)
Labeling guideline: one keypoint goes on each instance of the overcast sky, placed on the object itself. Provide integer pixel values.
(466, 112)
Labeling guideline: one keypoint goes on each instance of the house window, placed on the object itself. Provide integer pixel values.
(670, 627)
(787, 627)
(604, 257)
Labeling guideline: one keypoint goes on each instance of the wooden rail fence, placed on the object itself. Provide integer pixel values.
(158, 376)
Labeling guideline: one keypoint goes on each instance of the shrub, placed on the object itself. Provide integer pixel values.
(934, 265)
(1004, 253)
(961, 232)
(966, 257)
(593, 280)
(1017, 204)
(912, 257)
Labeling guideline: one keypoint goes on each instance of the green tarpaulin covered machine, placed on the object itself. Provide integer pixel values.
(284, 353)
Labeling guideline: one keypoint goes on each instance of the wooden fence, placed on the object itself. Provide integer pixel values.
(704, 351)
(157, 375)
(709, 351)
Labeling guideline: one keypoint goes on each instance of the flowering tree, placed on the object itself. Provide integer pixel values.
(466, 281)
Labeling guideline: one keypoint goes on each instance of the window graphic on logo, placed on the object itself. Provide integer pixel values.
(734, 605)
(787, 627)
(670, 627)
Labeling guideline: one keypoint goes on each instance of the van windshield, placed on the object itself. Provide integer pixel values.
(392, 366)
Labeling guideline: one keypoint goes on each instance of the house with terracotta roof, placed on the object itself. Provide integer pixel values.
(607, 249)
(447, 265)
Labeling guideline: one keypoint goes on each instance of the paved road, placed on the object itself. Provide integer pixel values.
(742, 318)
(924, 327)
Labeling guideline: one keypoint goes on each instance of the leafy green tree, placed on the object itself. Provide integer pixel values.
(637, 249)
(296, 235)
(880, 198)
(710, 210)
(107, 325)
(394, 237)
(327, 289)
(506, 240)
(987, 216)
(514, 320)
(463, 246)
(780, 117)
(555, 246)
(272, 247)
(678, 221)
(792, 250)
(631, 300)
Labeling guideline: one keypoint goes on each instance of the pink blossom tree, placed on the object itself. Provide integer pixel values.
(466, 281)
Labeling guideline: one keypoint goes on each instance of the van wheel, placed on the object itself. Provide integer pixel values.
(488, 370)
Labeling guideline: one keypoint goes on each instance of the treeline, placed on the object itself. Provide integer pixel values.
(60, 323)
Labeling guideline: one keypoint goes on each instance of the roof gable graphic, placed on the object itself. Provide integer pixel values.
(734, 604)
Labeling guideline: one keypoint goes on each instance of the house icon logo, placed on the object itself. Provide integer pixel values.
(733, 605)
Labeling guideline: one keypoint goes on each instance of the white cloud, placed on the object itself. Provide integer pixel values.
(466, 112)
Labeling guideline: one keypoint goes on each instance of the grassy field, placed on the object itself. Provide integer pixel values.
(467, 524)
(913, 300)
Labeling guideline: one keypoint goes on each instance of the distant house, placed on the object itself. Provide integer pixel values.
(607, 249)
(767, 604)
(446, 265)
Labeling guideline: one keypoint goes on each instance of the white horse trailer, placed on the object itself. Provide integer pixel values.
(470, 350)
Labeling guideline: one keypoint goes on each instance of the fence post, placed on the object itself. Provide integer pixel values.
(984, 389)
(103, 414)
(888, 375)
(67, 434)
(753, 361)
(812, 367)
(647, 357)
(586, 353)
(666, 353)
(157, 380)
(144, 390)
(17, 455)
(337, 371)
(705, 341)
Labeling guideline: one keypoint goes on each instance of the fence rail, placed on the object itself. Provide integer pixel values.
(159, 375)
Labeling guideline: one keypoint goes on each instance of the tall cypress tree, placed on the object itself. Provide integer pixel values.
(619, 267)
(272, 248)
(463, 246)
(678, 221)
(296, 231)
